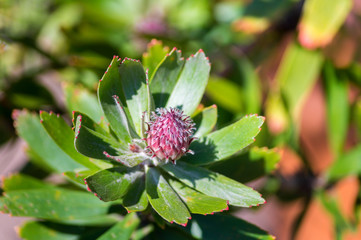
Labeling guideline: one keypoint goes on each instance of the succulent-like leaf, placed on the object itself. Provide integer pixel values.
(209, 227)
(163, 198)
(111, 96)
(249, 166)
(154, 56)
(197, 202)
(78, 177)
(134, 84)
(30, 129)
(55, 204)
(123, 229)
(205, 121)
(191, 84)
(165, 77)
(225, 142)
(93, 141)
(214, 184)
(80, 99)
(112, 184)
(62, 135)
(136, 198)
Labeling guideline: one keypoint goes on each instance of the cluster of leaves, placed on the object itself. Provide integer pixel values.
(95, 158)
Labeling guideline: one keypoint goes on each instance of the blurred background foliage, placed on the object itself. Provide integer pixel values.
(295, 62)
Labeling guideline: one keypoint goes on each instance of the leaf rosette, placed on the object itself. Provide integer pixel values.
(137, 173)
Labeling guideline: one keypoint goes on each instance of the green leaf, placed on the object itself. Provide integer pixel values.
(297, 74)
(225, 142)
(154, 56)
(214, 184)
(142, 233)
(205, 121)
(78, 177)
(112, 184)
(23, 182)
(136, 199)
(225, 93)
(80, 99)
(36, 230)
(94, 221)
(331, 205)
(163, 198)
(345, 165)
(249, 166)
(208, 227)
(62, 135)
(109, 91)
(133, 80)
(93, 141)
(337, 107)
(30, 129)
(123, 229)
(251, 87)
(197, 202)
(321, 19)
(165, 77)
(53, 204)
(191, 84)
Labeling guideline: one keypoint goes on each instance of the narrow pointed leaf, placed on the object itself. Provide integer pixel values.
(205, 121)
(62, 134)
(143, 232)
(198, 202)
(94, 221)
(123, 229)
(347, 164)
(225, 142)
(297, 74)
(154, 56)
(165, 77)
(337, 107)
(110, 94)
(53, 204)
(112, 184)
(214, 184)
(30, 129)
(92, 141)
(163, 198)
(134, 86)
(191, 84)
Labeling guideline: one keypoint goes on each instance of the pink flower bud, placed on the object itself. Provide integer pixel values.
(169, 134)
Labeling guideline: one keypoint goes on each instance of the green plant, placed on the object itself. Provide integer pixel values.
(124, 161)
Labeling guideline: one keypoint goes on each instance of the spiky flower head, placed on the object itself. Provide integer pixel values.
(169, 134)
